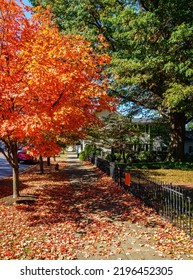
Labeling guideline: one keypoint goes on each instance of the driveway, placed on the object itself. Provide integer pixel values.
(5, 169)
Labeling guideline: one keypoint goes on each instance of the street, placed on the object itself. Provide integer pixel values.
(5, 169)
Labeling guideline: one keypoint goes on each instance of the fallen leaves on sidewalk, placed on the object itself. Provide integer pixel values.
(91, 218)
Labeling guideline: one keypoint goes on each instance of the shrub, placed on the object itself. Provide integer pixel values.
(146, 156)
(111, 157)
(82, 155)
(89, 150)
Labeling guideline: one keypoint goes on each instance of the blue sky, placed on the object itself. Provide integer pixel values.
(26, 2)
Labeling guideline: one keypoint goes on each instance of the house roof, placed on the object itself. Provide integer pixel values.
(146, 120)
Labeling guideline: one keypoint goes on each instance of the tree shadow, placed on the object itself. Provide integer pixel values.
(88, 198)
(6, 187)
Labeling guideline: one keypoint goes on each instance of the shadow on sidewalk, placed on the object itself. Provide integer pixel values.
(90, 212)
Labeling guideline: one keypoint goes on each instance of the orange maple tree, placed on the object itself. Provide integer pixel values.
(49, 83)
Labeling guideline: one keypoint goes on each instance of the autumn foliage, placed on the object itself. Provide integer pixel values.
(49, 83)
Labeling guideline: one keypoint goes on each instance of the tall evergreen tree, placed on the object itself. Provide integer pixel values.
(150, 43)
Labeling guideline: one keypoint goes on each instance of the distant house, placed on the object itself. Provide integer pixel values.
(153, 137)
(149, 140)
(82, 143)
(188, 146)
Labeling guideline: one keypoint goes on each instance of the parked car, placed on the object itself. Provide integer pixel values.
(26, 157)
(2, 145)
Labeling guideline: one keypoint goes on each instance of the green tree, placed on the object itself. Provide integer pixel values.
(116, 133)
(150, 43)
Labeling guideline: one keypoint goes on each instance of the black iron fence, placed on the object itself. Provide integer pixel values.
(173, 203)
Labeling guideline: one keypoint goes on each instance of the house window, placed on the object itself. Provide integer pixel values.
(190, 149)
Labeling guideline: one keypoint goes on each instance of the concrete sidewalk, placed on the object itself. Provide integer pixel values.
(133, 240)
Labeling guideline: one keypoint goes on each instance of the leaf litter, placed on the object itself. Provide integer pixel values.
(91, 221)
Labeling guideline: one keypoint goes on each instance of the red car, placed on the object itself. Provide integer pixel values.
(25, 157)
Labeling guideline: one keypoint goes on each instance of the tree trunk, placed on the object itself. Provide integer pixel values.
(177, 136)
(112, 153)
(41, 165)
(15, 168)
(48, 161)
(124, 157)
(15, 182)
